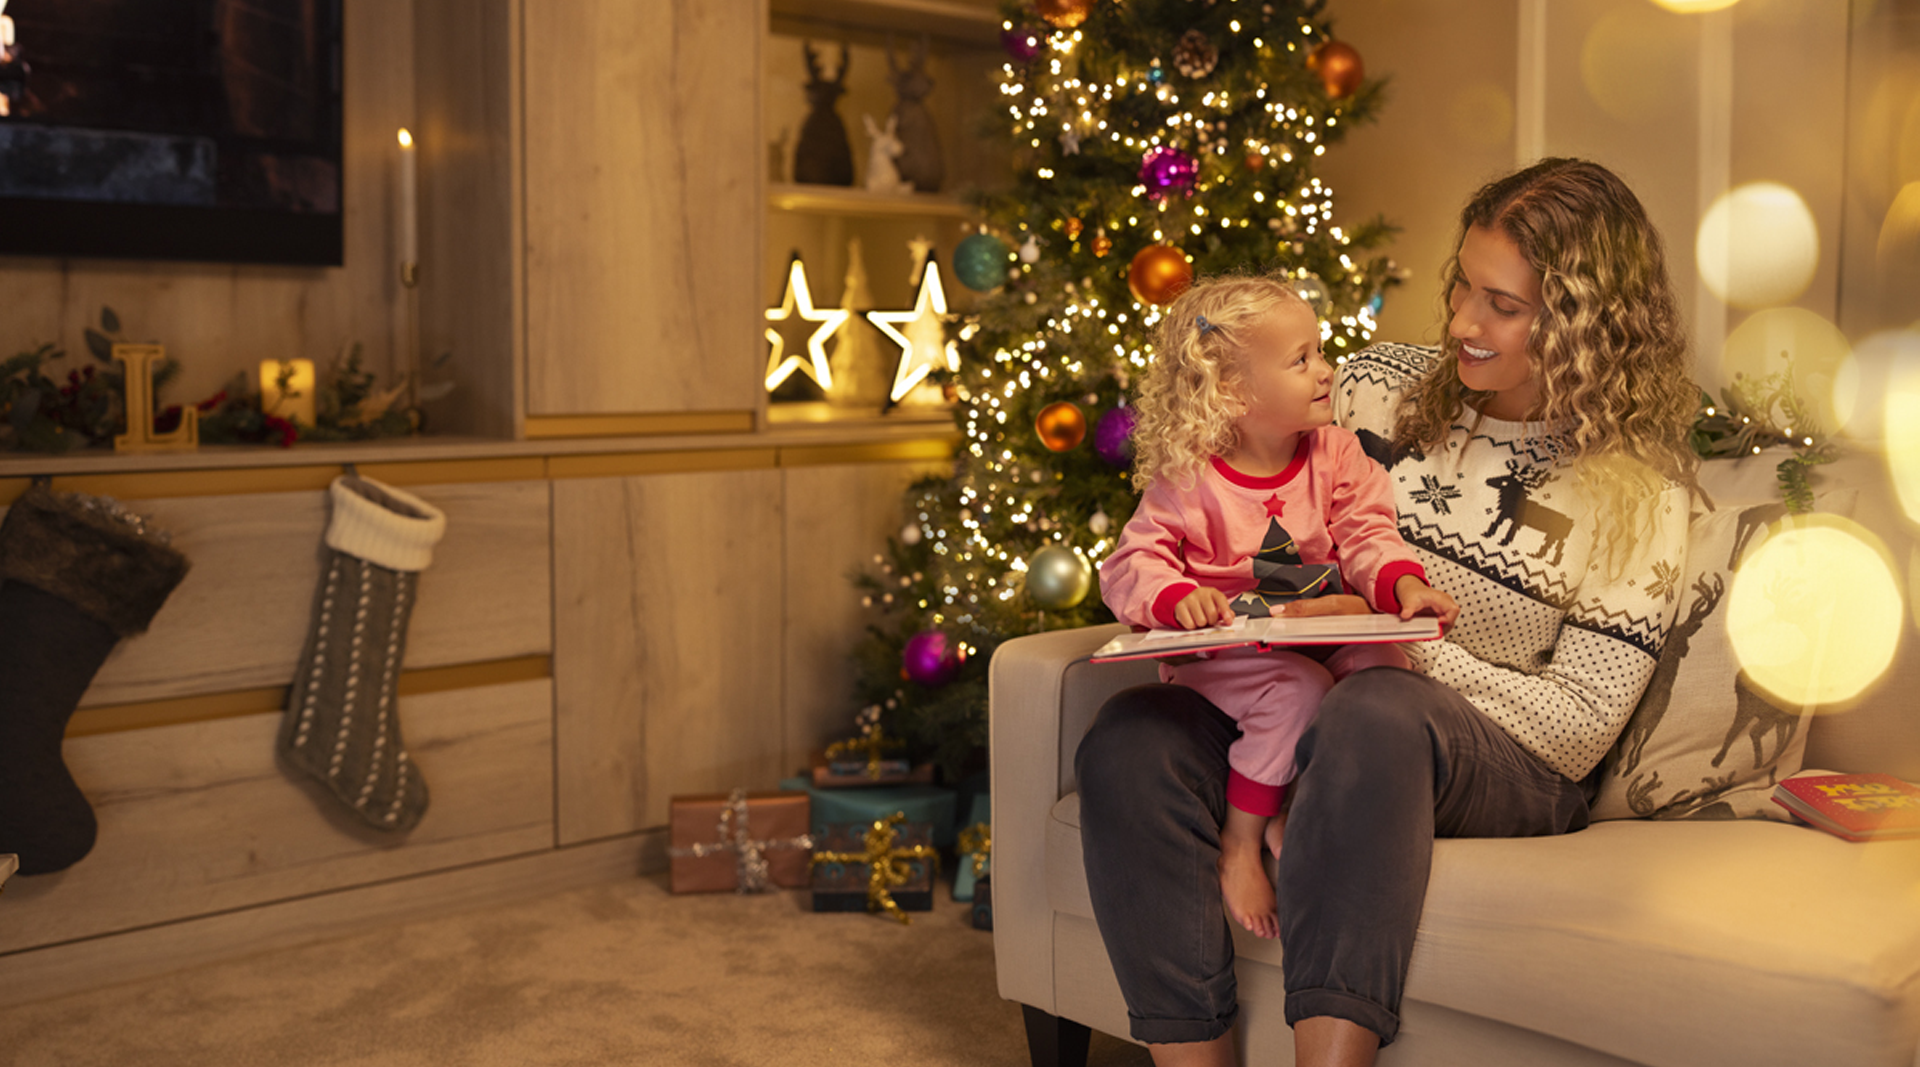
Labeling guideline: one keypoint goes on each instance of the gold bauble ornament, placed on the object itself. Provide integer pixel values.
(1061, 426)
(1102, 244)
(1339, 67)
(1064, 14)
(1158, 274)
(1073, 228)
(1058, 578)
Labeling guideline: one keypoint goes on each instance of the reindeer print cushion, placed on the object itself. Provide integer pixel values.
(1703, 744)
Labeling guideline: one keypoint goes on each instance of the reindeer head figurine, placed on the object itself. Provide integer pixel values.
(823, 156)
(920, 161)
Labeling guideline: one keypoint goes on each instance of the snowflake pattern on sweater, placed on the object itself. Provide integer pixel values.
(1550, 645)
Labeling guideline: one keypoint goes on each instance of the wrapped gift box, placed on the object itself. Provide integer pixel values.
(843, 886)
(983, 904)
(929, 804)
(975, 845)
(778, 823)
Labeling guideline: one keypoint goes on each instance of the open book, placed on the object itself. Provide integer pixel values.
(1273, 632)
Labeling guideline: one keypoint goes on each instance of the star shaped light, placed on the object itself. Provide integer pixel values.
(923, 341)
(796, 306)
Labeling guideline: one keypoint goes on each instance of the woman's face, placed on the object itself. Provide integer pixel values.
(1494, 302)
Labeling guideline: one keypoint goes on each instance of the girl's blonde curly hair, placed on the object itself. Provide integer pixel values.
(1192, 393)
(1607, 348)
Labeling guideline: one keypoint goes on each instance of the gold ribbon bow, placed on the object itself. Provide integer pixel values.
(886, 865)
(873, 741)
(977, 841)
(750, 855)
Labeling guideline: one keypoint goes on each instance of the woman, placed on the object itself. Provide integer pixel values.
(1558, 407)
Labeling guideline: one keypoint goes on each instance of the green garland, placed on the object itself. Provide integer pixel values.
(1743, 422)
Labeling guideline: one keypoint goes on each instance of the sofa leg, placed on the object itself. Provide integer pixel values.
(1053, 1041)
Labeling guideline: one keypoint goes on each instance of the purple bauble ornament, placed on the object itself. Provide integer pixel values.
(930, 659)
(1021, 43)
(1113, 436)
(1166, 170)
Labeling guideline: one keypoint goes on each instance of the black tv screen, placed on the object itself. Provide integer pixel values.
(171, 129)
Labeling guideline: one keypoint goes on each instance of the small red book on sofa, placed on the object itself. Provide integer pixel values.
(1858, 807)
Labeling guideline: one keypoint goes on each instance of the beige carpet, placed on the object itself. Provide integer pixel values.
(618, 974)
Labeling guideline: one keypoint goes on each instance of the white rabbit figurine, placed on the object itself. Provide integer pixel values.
(882, 175)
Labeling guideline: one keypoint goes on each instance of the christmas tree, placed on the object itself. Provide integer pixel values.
(1152, 140)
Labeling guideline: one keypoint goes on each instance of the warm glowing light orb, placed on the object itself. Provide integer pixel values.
(1815, 611)
(1636, 62)
(1820, 356)
(1902, 421)
(1758, 245)
(1695, 7)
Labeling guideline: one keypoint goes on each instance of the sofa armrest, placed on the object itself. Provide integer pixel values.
(1042, 695)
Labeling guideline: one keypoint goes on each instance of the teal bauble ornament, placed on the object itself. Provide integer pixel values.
(981, 262)
(1058, 578)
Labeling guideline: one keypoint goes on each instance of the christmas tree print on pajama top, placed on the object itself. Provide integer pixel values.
(1279, 575)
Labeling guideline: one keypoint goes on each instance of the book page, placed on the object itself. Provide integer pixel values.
(1236, 628)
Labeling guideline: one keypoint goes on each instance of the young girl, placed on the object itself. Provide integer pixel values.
(1255, 505)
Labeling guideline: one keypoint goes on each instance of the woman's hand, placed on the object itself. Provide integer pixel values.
(1337, 604)
(1204, 606)
(1418, 598)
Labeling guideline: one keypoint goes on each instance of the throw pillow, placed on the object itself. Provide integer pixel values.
(1703, 744)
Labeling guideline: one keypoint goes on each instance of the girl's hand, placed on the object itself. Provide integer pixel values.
(1204, 606)
(1337, 604)
(1418, 598)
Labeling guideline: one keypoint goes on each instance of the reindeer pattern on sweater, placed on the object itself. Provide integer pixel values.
(1552, 644)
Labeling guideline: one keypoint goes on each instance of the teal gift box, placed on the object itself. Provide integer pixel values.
(930, 804)
(975, 839)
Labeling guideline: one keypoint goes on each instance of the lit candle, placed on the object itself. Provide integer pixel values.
(409, 207)
(295, 401)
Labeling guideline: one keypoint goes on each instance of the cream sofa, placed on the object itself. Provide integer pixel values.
(1671, 944)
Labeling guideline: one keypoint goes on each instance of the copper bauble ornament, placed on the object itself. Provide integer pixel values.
(1061, 426)
(1058, 578)
(1339, 67)
(1064, 14)
(1102, 244)
(1073, 228)
(1158, 274)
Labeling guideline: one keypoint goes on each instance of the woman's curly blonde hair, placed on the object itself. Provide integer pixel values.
(1607, 348)
(1186, 407)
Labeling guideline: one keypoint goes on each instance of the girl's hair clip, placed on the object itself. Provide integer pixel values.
(1205, 326)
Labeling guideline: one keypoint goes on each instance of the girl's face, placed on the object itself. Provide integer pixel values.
(1495, 300)
(1287, 387)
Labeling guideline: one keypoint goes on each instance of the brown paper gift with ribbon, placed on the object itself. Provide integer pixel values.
(739, 841)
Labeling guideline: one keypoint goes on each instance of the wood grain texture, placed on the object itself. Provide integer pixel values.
(240, 618)
(199, 818)
(471, 307)
(643, 204)
(219, 319)
(666, 648)
(838, 519)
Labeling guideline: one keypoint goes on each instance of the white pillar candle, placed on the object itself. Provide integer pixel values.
(296, 402)
(409, 204)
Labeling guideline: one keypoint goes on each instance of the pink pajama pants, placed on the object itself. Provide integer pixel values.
(1274, 696)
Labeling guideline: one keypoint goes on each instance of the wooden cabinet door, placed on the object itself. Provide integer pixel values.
(643, 205)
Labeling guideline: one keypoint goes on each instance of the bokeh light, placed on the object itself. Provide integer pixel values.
(1481, 113)
(1695, 7)
(1902, 420)
(1758, 245)
(1815, 611)
(1899, 243)
(1820, 357)
(1636, 62)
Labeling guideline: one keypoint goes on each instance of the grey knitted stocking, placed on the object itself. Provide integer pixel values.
(342, 723)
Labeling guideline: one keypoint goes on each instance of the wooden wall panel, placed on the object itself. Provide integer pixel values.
(666, 645)
(199, 818)
(240, 618)
(838, 518)
(221, 318)
(643, 163)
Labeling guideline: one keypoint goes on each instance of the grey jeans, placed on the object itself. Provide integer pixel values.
(1394, 760)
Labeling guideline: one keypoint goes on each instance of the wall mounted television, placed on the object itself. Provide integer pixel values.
(172, 129)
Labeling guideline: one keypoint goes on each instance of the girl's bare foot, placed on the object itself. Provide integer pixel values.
(1243, 877)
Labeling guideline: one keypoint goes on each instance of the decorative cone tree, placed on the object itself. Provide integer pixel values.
(1152, 140)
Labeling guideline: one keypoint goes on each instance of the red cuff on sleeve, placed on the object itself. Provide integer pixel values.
(1164, 604)
(1252, 797)
(1383, 599)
